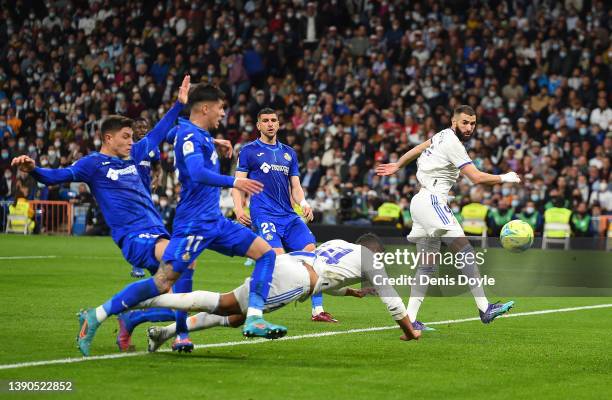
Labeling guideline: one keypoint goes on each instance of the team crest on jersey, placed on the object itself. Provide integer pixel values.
(152, 153)
(287, 157)
(186, 256)
(269, 236)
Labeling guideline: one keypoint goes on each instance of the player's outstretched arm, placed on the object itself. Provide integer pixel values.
(199, 173)
(159, 132)
(297, 193)
(238, 198)
(411, 155)
(44, 175)
(477, 176)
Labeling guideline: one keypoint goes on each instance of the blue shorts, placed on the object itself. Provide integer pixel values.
(289, 233)
(139, 249)
(223, 236)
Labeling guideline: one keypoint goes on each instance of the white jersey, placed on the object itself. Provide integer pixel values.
(439, 164)
(339, 264)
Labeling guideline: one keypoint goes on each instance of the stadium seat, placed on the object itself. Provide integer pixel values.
(556, 233)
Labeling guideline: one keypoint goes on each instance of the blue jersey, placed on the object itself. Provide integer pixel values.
(197, 163)
(272, 165)
(116, 184)
(144, 167)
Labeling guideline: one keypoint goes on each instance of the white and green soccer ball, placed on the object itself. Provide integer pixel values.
(516, 236)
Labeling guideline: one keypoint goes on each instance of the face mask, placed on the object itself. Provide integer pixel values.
(51, 153)
(166, 146)
(97, 142)
(535, 198)
(40, 134)
(163, 203)
(603, 187)
(320, 194)
(8, 174)
(169, 192)
(44, 162)
(5, 155)
(455, 210)
(57, 143)
(413, 182)
(583, 131)
(31, 149)
(505, 191)
(515, 203)
(249, 128)
(21, 145)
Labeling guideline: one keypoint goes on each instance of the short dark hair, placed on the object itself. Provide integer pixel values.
(372, 242)
(464, 109)
(205, 92)
(114, 123)
(266, 110)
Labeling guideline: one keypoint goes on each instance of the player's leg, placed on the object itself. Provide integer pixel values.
(142, 251)
(235, 239)
(166, 275)
(426, 221)
(458, 243)
(297, 236)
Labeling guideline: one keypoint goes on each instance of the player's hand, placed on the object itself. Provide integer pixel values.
(307, 213)
(360, 293)
(510, 177)
(24, 163)
(387, 169)
(248, 186)
(414, 336)
(243, 217)
(183, 94)
(225, 144)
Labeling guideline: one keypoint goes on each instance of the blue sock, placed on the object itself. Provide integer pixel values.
(183, 285)
(137, 317)
(317, 300)
(131, 295)
(260, 280)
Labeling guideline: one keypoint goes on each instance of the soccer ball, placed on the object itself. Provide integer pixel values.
(516, 236)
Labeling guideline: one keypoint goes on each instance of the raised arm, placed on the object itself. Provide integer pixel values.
(159, 132)
(407, 158)
(47, 176)
(477, 176)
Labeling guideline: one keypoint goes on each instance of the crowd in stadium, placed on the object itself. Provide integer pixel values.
(355, 84)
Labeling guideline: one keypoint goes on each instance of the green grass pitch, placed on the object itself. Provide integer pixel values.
(555, 355)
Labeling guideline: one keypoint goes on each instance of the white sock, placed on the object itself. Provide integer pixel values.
(205, 321)
(254, 312)
(317, 310)
(200, 300)
(101, 314)
(471, 271)
(414, 303)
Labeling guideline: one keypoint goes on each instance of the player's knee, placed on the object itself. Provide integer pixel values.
(258, 248)
(310, 248)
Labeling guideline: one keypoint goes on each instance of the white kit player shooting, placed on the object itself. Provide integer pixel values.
(440, 159)
(334, 266)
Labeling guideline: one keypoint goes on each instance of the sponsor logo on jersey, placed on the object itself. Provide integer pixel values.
(265, 167)
(260, 154)
(287, 157)
(145, 163)
(113, 174)
(213, 157)
(104, 163)
(187, 137)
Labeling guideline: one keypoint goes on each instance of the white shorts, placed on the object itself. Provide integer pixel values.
(432, 217)
(290, 282)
